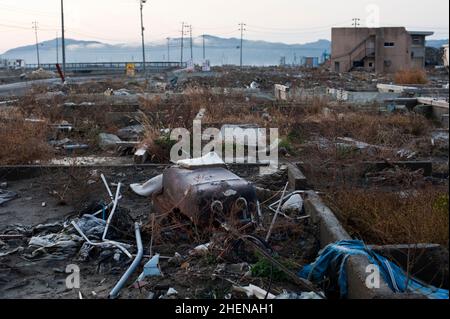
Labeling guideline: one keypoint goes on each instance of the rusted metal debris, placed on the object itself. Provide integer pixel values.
(206, 193)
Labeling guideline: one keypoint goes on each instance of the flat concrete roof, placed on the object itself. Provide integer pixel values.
(425, 33)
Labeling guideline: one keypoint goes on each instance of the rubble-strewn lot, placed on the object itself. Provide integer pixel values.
(381, 168)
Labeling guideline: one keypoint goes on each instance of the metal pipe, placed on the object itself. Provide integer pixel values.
(111, 215)
(107, 187)
(108, 243)
(108, 207)
(276, 214)
(115, 291)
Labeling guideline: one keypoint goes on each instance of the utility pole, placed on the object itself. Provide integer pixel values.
(57, 49)
(168, 49)
(204, 49)
(192, 49)
(63, 38)
(183, 25)
(142, 34)
(35, 27)
(356, 22)
(242, 29)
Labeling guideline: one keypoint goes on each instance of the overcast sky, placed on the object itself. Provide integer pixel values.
(290, 21)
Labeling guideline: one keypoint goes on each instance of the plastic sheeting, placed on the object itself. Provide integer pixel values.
(209, 160)
(151, 269)
(333, 258)
(6, 196)
(294, 203)
(149, 188)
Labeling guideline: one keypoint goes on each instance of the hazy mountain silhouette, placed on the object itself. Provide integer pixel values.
(218, 50)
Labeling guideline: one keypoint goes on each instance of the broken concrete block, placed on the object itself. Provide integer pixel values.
(60, 142)
(141, 156)
(131, 132)
(297, 180)
(72, 147)
(108, 141)
(281, 92)
(121, 92)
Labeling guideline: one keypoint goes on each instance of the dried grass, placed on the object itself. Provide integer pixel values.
(392, 130)
(382, 217)
(415, 76)
(22, 142)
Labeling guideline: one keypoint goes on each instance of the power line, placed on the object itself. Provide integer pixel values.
(299, 29)
(23, 27)
(28, 11)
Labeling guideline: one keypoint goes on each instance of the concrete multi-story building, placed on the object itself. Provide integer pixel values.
(380, 50)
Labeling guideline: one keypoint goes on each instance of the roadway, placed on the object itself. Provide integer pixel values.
(20, 88)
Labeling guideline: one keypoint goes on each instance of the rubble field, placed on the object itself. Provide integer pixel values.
(48, 201)
(85, 171)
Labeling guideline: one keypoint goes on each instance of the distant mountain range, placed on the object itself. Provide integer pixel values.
(436, 43)
(218, 50)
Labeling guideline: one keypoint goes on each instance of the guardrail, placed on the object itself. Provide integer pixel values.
(111, 66)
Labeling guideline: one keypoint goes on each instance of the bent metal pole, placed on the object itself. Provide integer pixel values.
(136, 262)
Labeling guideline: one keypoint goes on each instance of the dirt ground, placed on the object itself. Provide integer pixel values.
(44, 276)
(330, 141)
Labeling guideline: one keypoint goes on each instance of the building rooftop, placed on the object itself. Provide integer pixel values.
(425, 33)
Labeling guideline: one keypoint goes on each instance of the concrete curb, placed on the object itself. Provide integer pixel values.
(332, 231)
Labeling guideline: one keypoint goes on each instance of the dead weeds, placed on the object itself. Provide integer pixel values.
(414, 76)
(22, 141)
(384, 217)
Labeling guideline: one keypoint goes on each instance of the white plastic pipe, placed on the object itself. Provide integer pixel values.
(115, 291)
(276, 214)
(107, 243)
(116, 201)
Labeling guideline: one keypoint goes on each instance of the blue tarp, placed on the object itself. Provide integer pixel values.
(333, 258)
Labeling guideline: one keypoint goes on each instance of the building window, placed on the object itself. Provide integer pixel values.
(337, 67)
(417, 40)
(387, 63)
(370, 65)
(389, 44)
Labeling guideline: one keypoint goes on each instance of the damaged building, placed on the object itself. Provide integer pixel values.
(380, 50)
